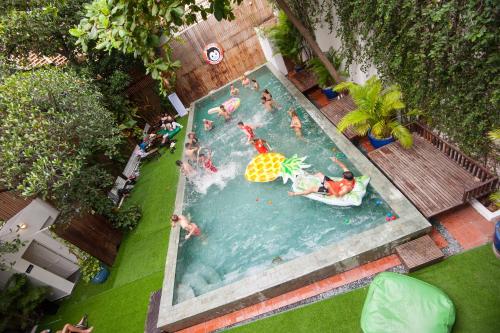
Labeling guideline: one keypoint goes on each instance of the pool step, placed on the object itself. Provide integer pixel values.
(419, 253)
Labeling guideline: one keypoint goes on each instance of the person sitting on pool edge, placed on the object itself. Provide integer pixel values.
(187, 225)
(330, 187)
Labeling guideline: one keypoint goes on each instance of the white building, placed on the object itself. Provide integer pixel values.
(43, 259)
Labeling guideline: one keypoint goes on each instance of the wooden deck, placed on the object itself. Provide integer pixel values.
(303, 80)
(337, 109)
(431, 180)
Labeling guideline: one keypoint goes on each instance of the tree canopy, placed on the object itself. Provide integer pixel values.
(144, 28)
(54, 130)
(39, 26)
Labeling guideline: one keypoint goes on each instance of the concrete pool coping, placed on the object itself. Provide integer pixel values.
(329, 260)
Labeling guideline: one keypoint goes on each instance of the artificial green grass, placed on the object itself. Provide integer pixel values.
(471, 279)
(120, 304)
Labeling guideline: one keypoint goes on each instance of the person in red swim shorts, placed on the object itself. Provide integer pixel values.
(186, 224)
(261, 145)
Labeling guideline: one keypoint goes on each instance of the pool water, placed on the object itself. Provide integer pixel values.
(249, 227)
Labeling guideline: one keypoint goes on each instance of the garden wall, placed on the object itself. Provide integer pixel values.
(241, 47)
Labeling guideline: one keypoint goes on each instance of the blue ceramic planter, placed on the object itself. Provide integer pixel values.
(377, 143)
(101, 276)
(330, 93)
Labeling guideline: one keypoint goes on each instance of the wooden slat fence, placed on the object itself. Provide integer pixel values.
(242, 50)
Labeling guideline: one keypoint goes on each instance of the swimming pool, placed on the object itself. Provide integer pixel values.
(254, 232)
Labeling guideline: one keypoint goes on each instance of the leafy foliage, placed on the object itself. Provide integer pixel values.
(39, 26)
(54, 133)
(144, 28)
(286, 38)
(443, 54)
(377, 111)
(11, 246)
(323, 76)
(127, 217)
(19, 301)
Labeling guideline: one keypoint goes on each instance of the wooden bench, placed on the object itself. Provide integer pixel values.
(132, 166)
(433, 174)
(337, 109)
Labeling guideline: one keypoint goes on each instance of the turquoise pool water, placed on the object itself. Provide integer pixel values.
(249, 227)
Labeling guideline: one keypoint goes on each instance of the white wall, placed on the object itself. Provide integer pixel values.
(326, 40)
(38, 216)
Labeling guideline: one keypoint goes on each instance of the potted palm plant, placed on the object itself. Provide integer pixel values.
(376, 113)
(325, 80)
(287, 39)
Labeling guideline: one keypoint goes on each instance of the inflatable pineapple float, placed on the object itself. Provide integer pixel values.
(269, 166)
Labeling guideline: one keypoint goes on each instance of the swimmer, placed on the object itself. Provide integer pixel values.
(267, 95)
(330, 187)
(245, 81)
(206, 162)
(190, 151)
(261, 145)
(295, 123)
(255, 85)
(223, 113)
(187, 225)
(234, 91)
(208, 124)
(192, 139)
(268, 105)
(248, 130)
(186, 169)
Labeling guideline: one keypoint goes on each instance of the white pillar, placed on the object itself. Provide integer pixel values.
(272, 55)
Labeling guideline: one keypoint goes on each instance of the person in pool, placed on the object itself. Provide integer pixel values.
(295, 123)
(330, 187)
(190, 227)
(247, 129)
(255, 85)
(245, 81)
(261, 145)
(206, 162)
(208, 124)
(192, 139)
(190, 151)
(186, 169)
(223, 113)
(234, 91)
(268, 104)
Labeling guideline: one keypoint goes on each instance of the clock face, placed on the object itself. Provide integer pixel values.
(213, 54)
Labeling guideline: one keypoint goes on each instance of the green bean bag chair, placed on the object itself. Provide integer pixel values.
(171, 133)
(401, 304)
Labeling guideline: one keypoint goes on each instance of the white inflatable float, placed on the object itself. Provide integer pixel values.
(230, 105)
(353, 198)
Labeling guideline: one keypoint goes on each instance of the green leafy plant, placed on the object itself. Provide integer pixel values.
(324, 78)
(377, 111)
(89, 266)
(6, 247)
(442, 54)
(286, 38)
(494, 136)
(55, 132)
(127, 217)
(19, 303)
